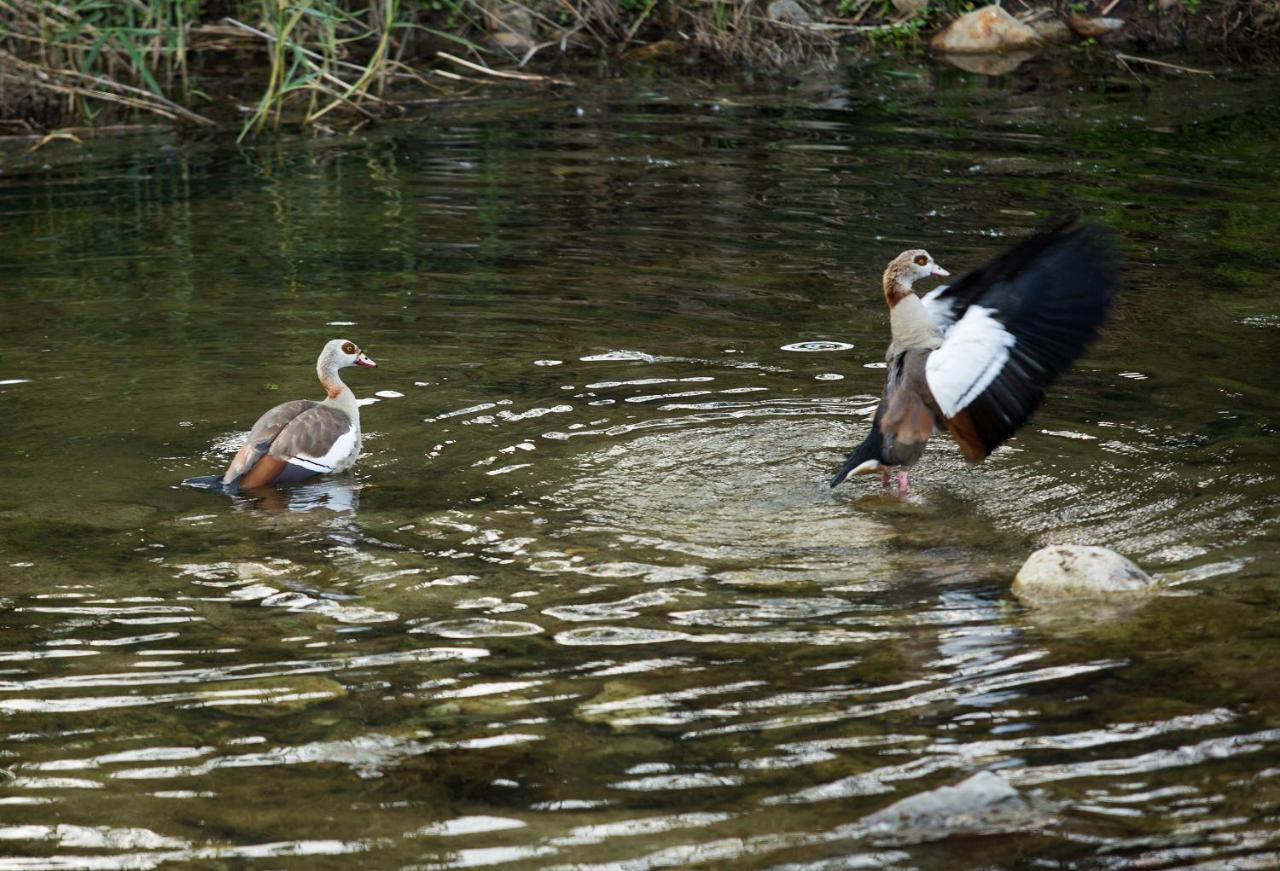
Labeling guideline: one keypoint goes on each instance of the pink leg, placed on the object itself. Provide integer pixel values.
(902, 483)
(885, 477)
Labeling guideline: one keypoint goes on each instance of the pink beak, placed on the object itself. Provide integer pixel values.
(362, 360)
(939, 271)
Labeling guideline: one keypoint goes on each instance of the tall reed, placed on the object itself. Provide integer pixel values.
(72, 57)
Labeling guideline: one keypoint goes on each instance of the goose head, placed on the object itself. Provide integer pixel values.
(912, 265)
(905, 270)
(341, 353)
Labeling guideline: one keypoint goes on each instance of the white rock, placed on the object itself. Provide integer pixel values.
(986, 30)
(1071, 571)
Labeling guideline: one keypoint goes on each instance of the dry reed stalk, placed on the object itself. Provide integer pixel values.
(1163, 64)
(64, 81)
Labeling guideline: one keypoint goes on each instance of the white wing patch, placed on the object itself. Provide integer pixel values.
(341, 448)
(941, 311)
(971, 356)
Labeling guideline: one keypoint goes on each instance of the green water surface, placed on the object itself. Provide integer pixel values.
(585, 602)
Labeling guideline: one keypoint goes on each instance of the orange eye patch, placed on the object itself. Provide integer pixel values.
(348, 348)
(922, 260)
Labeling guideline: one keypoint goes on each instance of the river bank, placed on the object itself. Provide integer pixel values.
(338, 64)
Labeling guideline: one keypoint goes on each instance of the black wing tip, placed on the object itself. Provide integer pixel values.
(868, 450)
(1086, 240)
(1087, 243)
(1095, 241)
(849, 466)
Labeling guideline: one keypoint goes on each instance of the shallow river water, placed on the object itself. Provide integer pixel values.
(586, 601)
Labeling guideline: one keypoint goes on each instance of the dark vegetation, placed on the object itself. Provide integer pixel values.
(330, 63)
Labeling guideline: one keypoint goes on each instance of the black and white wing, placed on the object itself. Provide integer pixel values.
(1017, 324)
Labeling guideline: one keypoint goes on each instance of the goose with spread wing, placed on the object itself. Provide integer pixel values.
(304, 438)
(975, 357)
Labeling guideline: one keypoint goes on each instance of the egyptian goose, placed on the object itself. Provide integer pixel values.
(301, 439)
(976, 357)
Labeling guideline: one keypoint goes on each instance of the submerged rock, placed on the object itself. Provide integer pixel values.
(1071, 571)
(983, 804)
(618, 704)
(985, 31)
(270, 696)
(988, 64)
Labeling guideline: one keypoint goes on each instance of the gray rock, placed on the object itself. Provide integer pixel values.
(788, 10)
(910, 7)
(985, 31)
(1065, 571)
(511, 27)
(984, 803)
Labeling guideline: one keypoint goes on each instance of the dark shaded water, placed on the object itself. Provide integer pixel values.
(585, 601)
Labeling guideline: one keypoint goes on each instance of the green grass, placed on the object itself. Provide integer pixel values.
(318, 56)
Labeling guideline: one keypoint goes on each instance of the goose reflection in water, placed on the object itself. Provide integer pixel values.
(331, 495)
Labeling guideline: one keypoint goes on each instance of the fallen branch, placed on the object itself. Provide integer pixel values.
(1160, 63)
(818, 27)
(502, 74)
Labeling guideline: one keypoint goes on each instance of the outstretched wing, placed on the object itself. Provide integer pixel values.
(1020, 322)
(264, 432)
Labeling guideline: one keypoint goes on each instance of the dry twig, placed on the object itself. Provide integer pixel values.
(1164, 64)
(502, 74)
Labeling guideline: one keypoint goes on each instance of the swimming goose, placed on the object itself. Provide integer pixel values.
(301, 439)
(976, 357)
